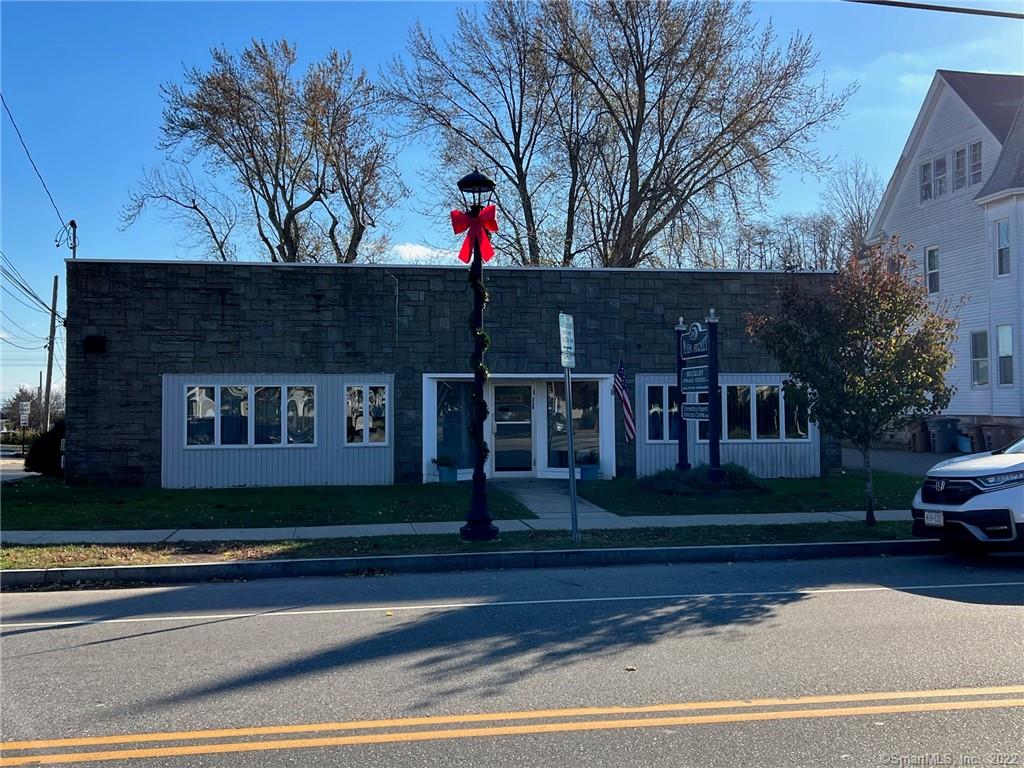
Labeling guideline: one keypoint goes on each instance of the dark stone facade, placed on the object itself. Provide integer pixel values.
(159, 317)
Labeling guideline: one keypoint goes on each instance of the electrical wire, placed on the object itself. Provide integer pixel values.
(20, 328)
(944, 8)
(19, 345)
(23, 303)
(24, 287)
(29, 155)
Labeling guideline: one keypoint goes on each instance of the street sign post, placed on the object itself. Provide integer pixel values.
(567, 344)
(700, 343)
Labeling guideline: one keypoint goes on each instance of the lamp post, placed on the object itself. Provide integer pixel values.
(477, 218)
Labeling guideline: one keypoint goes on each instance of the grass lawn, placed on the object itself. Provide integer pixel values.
(67, 555)
(45, 504)
(625, 496)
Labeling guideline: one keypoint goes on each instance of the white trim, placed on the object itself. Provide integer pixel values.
(1011, 192)
(928, 270)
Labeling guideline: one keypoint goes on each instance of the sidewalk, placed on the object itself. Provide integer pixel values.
(590, 519)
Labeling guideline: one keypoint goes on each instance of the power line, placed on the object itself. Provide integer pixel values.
(945, 8)
(24, 289)
(23, 303)
(33, 162)
(19, 345)
(20, 328)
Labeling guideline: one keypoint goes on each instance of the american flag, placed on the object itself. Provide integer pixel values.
(627, 408)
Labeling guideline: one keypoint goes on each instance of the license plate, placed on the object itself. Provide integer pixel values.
(933, 518)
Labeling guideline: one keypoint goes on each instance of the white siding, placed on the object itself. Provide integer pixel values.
(329, 462)
(764, 458)
(962, 231)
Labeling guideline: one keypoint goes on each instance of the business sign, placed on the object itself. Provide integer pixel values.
(694, 343)
(696, 411)
(567, 340)
(693, 379)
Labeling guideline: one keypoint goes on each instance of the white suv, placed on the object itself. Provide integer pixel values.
(974, 502)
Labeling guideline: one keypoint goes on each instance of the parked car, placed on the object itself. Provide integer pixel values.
(974, 502)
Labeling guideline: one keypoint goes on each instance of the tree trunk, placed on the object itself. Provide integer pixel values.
(869, 518)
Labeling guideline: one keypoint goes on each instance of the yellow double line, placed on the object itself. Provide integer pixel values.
(218, 741)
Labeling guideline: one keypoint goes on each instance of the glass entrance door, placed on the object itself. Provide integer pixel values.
(513, 428)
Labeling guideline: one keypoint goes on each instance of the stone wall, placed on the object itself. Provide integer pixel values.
(161, 318)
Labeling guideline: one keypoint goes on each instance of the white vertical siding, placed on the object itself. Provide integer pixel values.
(329, 462)
(764, 458)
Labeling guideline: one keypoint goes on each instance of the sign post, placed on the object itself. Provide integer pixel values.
(24, 408)
(714, 400)
(682, 460)
(567, 343)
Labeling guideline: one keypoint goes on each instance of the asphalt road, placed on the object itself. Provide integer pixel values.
(689, 665)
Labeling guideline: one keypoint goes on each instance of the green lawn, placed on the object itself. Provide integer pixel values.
(68, 555)
(625, 496)
(45, 504)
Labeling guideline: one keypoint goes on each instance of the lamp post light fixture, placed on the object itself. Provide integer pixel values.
(478, 217)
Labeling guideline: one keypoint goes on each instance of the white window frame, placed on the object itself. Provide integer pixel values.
(999, 357)
(1005, 224)
(928, 271)
(753, 384)
(251, 395)
(970, 164)
(923, 186)
(958, 181)
(365, 386)
(987, 358)
(666, 421)
(936, 190)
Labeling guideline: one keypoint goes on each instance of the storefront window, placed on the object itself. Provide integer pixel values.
(796, 419)
(767, 413)
(738, 412)
(201, 410)
(655, 413)
(234, 415)
(268, 415)
(454, 414)
(586, 424)
(301, 416)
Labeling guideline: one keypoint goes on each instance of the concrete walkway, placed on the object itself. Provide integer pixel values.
(900, 462)
(590, 519)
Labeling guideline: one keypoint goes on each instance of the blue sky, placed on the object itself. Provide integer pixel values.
(82, 80)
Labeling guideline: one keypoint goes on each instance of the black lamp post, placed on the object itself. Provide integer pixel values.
(476, 190)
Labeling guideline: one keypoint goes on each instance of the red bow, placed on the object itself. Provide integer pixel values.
(478, 227)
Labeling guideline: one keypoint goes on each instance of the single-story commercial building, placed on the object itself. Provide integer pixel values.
(208, 374)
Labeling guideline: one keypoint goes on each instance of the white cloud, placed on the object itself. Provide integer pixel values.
(416, 253)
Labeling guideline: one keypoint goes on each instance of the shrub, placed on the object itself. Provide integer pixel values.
(672, 482)
(44, 453)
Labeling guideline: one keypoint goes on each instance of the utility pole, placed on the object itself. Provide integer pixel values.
(74, 239)
(49, 358)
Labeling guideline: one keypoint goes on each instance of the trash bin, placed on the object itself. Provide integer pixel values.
(995, 436)
(977, 438)
(943, 434)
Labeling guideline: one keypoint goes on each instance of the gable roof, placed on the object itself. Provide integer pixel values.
(995, 99)
(1008, 173)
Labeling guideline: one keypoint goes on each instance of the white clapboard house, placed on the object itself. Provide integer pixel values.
(957, 194)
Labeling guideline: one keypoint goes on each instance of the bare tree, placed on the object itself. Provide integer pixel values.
(852, 197)
(206, 215)
(303, 155)
(696, 107)
(486, 96)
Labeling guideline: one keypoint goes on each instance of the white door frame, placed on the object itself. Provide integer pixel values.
(539, 381)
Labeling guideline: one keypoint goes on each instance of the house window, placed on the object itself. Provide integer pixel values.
(796, 419)
(931, 258)
(201, 416)
(1003, 247)
(940, 176)
(586, 423)
(959, 169)
(366, 415)
(975, 163)
(234, 415)
(268, 415)
(737, 409)
(454, 414)
(1004, 352)
(301, 416)
(979, 359)
(662, 420)
(926, 181)
(767, 413)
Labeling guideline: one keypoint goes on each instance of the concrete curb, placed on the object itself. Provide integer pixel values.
(469, 561)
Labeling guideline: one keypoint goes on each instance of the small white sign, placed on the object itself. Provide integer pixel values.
(25, 408)
(567, 340)
(24, 419)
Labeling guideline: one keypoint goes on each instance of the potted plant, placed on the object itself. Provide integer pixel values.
(446, 469)
(589, 468)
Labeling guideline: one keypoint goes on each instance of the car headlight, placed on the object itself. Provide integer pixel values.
(1003, 480)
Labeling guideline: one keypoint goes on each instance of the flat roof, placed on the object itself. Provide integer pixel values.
(461, 267)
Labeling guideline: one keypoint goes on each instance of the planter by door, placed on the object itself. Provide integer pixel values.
(448, 474)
